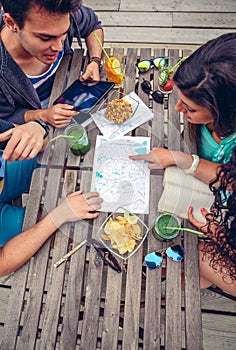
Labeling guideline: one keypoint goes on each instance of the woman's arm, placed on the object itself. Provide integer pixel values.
(161, 158)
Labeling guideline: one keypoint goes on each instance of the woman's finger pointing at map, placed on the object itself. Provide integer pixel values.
(139, 157)
(158, 158)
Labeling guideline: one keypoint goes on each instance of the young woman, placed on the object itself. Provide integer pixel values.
(218, 256)
(206, 84)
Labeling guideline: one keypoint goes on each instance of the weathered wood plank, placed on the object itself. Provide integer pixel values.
(204, 20)
(55, 285)
(111, 316)
(219, 331)
(179, 5)
(212, 301)
(168, 19)
(111, 5)
(132, 302)
(152, 315)
(92, 299)
(38, 268)
(141, 19)
(174, 36)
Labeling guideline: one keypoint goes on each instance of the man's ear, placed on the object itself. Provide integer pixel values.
(10, 22)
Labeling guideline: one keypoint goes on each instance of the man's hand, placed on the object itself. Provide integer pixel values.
(25, 141)
(59, 115)
(91, 72)
(76, 206)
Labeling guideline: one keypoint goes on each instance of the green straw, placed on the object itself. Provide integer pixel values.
(177, 64)
(63, 136)
(186, 229)
(100, 44)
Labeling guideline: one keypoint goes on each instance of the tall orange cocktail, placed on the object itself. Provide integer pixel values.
(114, 68)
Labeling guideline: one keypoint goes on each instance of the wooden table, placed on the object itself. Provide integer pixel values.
(79, 305)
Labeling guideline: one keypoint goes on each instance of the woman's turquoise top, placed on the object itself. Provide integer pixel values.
(209, 149)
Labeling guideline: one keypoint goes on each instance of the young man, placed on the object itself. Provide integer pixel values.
(35, 35)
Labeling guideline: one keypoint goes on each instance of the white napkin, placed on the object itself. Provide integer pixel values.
(141, 114)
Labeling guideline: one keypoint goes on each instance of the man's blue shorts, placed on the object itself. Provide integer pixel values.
(17, 178)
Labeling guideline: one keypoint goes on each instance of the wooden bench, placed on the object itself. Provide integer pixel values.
(163, 23)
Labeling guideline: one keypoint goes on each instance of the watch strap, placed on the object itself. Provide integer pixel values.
(98, 60)
(44, 125)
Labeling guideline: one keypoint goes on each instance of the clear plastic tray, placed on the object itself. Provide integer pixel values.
(107, 243)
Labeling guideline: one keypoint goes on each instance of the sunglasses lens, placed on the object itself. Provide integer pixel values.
(114, 263)
(146, 86)
(153, 260)
(158, 96)
(144, 66)
(175, 253)
(159, 62)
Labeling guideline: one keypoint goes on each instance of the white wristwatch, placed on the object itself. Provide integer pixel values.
(194, 165)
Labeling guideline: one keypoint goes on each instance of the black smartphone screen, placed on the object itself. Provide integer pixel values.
(84, 95)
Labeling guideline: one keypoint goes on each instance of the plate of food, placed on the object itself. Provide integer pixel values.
(120, 113)
(122, 233)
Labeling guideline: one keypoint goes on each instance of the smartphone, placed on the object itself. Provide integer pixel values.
(85, 95)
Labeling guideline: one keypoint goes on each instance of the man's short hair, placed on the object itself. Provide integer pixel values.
(18, 9)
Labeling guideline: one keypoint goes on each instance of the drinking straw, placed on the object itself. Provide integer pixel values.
(67, 255)
(63, 136)
(186, 229)
(100, 44)
(177, 64)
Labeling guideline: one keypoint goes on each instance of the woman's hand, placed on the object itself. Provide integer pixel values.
(161, 158)
(211, 230)
(157, 158)
(201, 226)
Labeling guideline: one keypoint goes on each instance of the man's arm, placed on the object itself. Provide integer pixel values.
(95, 54)
(21, 248)
(87, 22)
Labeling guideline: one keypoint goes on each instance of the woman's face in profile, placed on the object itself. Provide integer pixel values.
(193, 112)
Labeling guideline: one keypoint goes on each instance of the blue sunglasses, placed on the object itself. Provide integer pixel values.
(154, 260)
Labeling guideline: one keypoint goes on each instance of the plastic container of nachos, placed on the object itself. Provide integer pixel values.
(118, 107)
(122, 233)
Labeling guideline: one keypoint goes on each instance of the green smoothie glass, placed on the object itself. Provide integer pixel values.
(167, 226)
(77, 139)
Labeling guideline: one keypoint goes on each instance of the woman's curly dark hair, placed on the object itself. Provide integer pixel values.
(222, 246)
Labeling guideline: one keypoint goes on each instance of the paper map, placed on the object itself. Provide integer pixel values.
(120, 180)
